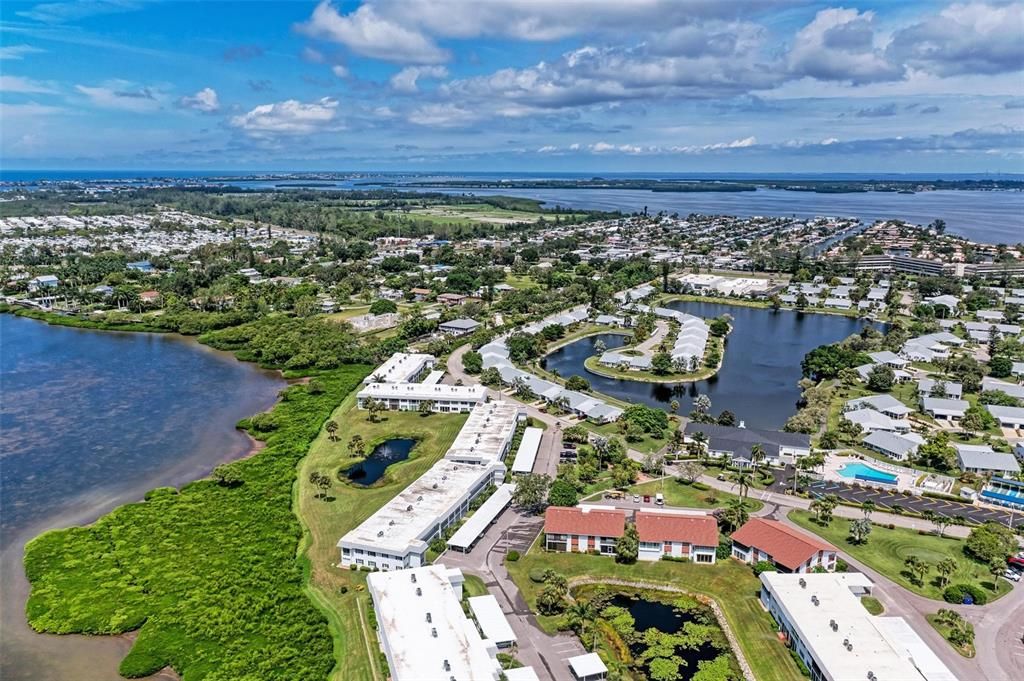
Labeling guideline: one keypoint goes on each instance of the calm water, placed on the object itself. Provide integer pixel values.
(988, 217)
(91, 420)
(758, 378)
(372, 468)
(669, 620)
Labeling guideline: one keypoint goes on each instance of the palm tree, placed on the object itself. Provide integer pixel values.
(757, 456)
(868, 507)
(582, 613)
(332, 430)
(946, 567)
(675, 406)
(735, 513)
(701, 440)
(743, 479)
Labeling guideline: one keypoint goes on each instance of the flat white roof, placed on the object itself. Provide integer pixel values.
(433, 378)
(482, 517)
(408, 517)
(813, 602)
(587, 665)
(421, 391)
(491, 619)
(401, 367)
(486, 432)
(527, 452)
(521, 674)
(424, 627)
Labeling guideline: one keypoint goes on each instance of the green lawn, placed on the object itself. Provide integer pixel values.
(872, 605)
(646, 445)
(886, 550)
(679, 494)
(520, 281)
(326, 521)
(730, 583)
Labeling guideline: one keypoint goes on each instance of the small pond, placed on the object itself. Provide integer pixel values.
(372, 468)
(677, 633)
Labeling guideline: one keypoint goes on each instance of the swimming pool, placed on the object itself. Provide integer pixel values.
(860, 471)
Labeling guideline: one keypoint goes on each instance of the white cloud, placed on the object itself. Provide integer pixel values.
(313, 56)
(18, 51)
(25, 85)
(717, 146)
(839, 44)
(290, 117)
(575, 146)
(341, 71)
(442, 116)
(366, 33)
(205, 100)
(28, 110)
(547, 149)
(124, 95)
(971, 38)
(405, 80)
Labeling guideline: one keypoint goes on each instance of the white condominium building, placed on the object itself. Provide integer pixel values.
(401, 367)
(838, 639)
(423, 630)
(398, 534)
(487, 434)
(409, 396)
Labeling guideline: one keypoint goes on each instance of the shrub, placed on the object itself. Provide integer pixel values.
(842, 565)
(512, 556)
(537, 575)
(955, 594)
(701, 486)
(764, 566)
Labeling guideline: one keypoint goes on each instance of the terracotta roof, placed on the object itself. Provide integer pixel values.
(787, 547)
(604, 522)
(699, 530)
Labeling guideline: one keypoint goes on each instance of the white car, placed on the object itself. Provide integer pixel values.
(1012, 575)
(636, 498)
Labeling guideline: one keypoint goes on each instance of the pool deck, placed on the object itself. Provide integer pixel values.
(906, 478)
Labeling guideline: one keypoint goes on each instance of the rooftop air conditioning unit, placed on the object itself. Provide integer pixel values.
(447, 666)
(419, 591)
(413, 578)
(834, 625)
(814, 599)
(433, 631)
(380, 533)
(429, 618)
(409, 507)
(803, 583)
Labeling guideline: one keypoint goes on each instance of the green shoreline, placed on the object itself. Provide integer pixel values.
(119, 574)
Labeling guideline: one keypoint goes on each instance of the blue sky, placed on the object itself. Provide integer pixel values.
(573, 85)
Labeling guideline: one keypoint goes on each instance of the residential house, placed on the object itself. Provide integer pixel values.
(420, 294)
(790, 550)
(1008, 417)
(981, 459)
(459, 327)
(942, 409)
(583, 528)
(885, 404)
(677, 534)
(926, 386)
(896, 446)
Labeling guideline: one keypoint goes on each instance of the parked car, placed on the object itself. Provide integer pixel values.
(636, 498)
(1012, 575)
(647, 498)
(659, 499)
(1016, 561)
(569, 445)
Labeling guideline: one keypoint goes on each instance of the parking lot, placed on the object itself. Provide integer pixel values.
(885, 501)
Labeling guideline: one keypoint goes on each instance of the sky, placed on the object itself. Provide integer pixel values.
(514, 85)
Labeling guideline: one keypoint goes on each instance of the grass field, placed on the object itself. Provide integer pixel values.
(730, 583)
(678, 494)
(646, 445)
(872, 605)
(475, 213)
(326, 521)
(886, 550)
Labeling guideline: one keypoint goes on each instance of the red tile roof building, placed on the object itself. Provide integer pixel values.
(583, 528)
(678, 534)
(788, 549)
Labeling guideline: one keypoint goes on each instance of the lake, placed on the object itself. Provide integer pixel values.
(759, 375)
(92, 420)
(372, 468)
